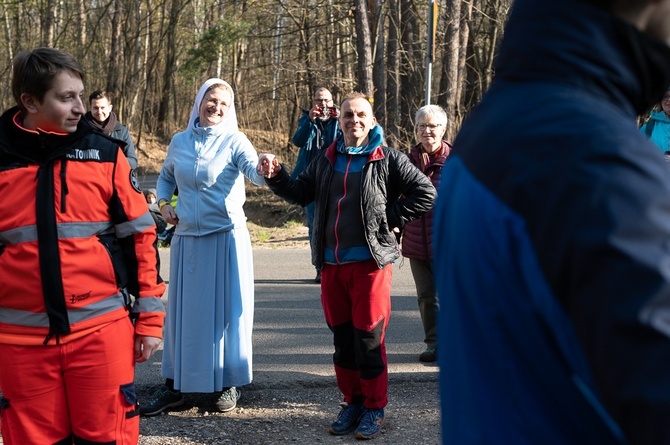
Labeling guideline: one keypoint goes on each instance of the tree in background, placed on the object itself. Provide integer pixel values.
(153, 54)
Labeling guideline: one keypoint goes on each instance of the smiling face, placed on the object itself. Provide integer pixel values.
(214, 106)
(356, 121)
(100, 109)
(429, 131)
(61, 108)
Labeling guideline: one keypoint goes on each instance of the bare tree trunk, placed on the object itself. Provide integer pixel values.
(409, 67)
(115, 50)
(363, 46)
(463, 41)
(379, 68)
(7, 30)
(495, 31)
(240, 60)
(148, 64)
(219, 55)
(170, 59)
(277, 55)
(48, 17)
(83, 27)
(450, 63)
(392, 75)
(336, 53)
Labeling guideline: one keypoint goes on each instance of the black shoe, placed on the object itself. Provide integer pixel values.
(428, 356)
(317, 279)
(228, 399)
(347, 420)
(161, 399)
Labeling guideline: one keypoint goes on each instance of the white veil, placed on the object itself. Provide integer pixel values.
(229, 122)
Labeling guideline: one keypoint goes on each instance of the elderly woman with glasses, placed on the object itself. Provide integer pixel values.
(429, 156)
(657, 128)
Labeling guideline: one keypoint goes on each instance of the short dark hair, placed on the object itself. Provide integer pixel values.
(33, 72)
(100, 94)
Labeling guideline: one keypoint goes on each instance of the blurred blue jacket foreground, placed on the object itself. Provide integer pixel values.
(552, 241)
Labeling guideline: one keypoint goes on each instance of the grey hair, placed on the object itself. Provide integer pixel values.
(435, 111)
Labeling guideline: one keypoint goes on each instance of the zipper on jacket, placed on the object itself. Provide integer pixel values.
(63, 182)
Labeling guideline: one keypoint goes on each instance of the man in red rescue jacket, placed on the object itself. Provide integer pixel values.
(76, 237)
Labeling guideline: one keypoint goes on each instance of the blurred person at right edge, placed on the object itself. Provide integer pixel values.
(552, 256)
(429, 156)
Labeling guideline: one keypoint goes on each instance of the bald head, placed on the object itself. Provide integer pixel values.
(356, 119)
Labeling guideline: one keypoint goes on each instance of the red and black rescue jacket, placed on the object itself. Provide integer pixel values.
(76, 236)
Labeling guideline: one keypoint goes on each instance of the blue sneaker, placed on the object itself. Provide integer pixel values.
(371, 424)
(347, 419)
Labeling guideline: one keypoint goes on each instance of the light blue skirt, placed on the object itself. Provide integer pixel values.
(210, 312)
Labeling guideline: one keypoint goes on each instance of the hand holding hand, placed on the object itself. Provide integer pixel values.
(268, 165)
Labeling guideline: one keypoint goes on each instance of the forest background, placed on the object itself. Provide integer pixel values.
(154, 54)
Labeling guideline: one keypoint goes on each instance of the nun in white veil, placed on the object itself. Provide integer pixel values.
(207, 341)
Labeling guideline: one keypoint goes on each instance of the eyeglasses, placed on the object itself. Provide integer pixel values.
(215, 103)
(665, 98)
(431, 127)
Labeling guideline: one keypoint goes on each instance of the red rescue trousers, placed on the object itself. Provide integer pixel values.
(72, 393)
(356, 300)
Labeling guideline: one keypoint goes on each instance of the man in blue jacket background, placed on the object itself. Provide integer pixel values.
(317, 129)
(552, 236)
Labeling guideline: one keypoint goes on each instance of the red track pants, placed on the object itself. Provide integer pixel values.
(356, 300)
(80, 392)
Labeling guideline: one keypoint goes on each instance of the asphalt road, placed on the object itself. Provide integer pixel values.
(294, 397)
(291, 340)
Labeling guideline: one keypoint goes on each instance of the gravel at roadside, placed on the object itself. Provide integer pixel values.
(297, 413)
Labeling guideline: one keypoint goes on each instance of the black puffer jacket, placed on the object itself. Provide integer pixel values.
(387, 175)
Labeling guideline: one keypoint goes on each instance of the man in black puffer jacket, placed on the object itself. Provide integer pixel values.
(356, 186)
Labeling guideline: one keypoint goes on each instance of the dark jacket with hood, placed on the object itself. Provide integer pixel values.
(553, 255)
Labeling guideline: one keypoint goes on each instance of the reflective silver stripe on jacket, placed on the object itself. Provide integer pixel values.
(40, 320)
(136, 225)
(79, 230)
(27, 234)
(148, 304)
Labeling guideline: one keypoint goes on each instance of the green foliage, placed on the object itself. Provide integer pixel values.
(292, 224)
(224, 34)
(264, 235)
